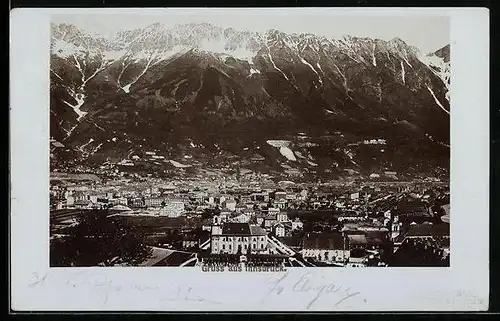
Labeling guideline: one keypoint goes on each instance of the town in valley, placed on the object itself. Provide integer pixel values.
(246, 219)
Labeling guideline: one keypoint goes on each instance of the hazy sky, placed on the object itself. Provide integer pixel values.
(423, 31)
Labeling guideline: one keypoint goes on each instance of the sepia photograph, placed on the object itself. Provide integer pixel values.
(184, 142)
(165, 159)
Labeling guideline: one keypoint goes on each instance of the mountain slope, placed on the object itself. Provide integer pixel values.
(209, 97)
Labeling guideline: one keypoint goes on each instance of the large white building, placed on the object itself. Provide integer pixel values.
(234, 238)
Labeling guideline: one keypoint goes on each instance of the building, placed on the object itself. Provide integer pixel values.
(242, 218)
(240, 208)
(70, 200)
(236, 238)
(297, 224)
(190, 242)
(231, 205)
(279, 230)
(281, 204)
(395, 227)
(249, 211)
(282, 217)
(260, 218)
(136, 202)
(220, 218)
(206, 225)
(273, 211)
(326, 247)
(259, 197)
(357, 241)
(83, 204)
(173, 208)
(429, 232)
(280, 196)
(270, 221)
(303, 195)
(245, 198)
(154, 201)
(367, 240)
(351, 216)
(114, 201)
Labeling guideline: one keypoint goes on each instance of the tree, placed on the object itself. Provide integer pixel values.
(418, 253)
(209, 213)
(238, 173)
(97, 239)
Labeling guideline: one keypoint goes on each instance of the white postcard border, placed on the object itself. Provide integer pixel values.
(464, 286)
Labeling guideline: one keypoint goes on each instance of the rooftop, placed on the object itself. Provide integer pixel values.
(257, 230)
(331, 241)
(429, 230)
(357, 239)
(236, 229)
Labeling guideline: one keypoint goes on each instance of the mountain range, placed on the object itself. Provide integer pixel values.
(201, 97)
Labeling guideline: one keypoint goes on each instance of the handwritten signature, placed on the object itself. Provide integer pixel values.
(187, 295)
(107, 286)
(38, 280)
(304, 284)
(464, 298)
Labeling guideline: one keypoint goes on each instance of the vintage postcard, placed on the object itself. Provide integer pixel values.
(162, 159)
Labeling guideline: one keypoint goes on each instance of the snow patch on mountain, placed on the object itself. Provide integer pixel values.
(80, 100)
(312, 68)
(254, 71)
(288, 153)
(403, 72)
(405, 58)
(55, 74)
(437, 100)
(344, 78)
(439, 67)
(178, 165)
(276, 67)
(284, 148)
(66, 49)
(311, 163)
(346, 43)
(97, 148)
(151, 61)
(113, 54)
(319, 67)
(84, 145)
(374, 61)
(220, 46)
(279, 143)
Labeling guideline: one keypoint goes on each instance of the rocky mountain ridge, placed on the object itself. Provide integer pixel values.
(200, 95)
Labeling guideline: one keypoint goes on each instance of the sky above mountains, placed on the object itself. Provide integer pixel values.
(428, 33)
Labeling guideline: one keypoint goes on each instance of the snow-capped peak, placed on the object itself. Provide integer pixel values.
(439, 63)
